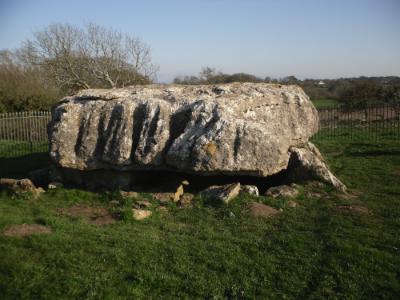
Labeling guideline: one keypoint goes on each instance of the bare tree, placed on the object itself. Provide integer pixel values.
(91, 57)
(208, 73)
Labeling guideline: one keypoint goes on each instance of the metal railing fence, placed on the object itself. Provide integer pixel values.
(374, 122)
(22, 133)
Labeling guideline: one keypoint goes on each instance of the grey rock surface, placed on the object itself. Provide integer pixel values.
(250, 189)
(308, 163)
(282, 191)
(231, 129)
(140, 214)
(20, 186)
(224, 193)
(234, 128)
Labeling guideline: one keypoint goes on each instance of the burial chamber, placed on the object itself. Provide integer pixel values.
(241, 129)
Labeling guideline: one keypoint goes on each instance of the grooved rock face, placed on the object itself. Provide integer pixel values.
(239, 128)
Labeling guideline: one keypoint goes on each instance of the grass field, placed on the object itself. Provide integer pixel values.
(9, 149)
(313, 251)
(356, 134)
(324, 103)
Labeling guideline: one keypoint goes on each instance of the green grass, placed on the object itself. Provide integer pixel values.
(310, 252)
(372, 133)
(20, 148)
(319, 103)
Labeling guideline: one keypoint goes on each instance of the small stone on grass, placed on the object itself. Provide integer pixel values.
(130, 194)
(186, 200)
(140, 214)
(54, 185)
(223, 193)
(282, 191)
(250, 189)
(20, 186)
(163, 197)
(162, 209)
(142, 203)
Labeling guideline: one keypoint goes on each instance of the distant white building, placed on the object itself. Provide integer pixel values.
(321, 83)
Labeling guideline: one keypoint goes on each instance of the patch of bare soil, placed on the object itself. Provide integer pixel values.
(396, 173)
(258, 210)
(23, 230)
(103, 220)
(98, 216)
(355, 209)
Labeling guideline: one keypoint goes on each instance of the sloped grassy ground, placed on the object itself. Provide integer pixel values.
(309, 252)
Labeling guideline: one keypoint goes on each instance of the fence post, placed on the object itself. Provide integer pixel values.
(30, 133)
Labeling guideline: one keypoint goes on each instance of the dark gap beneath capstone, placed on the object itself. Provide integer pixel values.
(161, 181)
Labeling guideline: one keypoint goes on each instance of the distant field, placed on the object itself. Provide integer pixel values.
(318, 103)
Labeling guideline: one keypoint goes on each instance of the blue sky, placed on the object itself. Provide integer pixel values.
(307, 38)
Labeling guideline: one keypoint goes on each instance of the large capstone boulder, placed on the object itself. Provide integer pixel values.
(232, 129)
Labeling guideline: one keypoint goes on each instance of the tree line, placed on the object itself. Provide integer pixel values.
(357, 92)
(62, 59)
(349, 92)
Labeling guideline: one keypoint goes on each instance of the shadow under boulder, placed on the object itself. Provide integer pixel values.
(159, 181)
